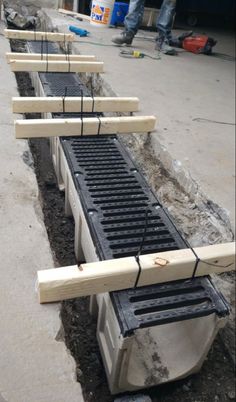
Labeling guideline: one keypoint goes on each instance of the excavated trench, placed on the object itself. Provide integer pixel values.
(215, 382)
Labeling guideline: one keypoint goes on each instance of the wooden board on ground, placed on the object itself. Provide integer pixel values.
(38, 35)
(41, 128)
(49, 56)
(110, 275)
(57, 66)
(74, 14)
(73, 104)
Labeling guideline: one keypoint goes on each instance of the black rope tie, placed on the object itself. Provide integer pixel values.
(42, 44)
(46, 46)
(137, 256)
(65, 45)
(196, 263)
(67, 52)
(139, 270)
(211, 264)
(68, 56)
(217, 265)
(92, 98)
(63, 100)
(198, 260)
(42, 48)
(99, 126)
(81, 114)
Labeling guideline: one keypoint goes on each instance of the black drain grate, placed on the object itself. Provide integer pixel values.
(54, 84)
(166, 303)
(115, 199)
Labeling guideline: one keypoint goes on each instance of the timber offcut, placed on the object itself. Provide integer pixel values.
(38, 35)
(41, 128)
(110, 275)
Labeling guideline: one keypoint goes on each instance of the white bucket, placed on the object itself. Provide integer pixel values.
(101, 12)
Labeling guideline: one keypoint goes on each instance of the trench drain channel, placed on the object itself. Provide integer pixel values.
(118, 205)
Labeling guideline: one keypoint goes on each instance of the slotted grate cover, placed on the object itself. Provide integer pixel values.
(54, 84)
(118, 204)
(116, 199)
(165, 303)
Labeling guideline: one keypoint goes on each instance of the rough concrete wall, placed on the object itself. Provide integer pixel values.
(30, 7)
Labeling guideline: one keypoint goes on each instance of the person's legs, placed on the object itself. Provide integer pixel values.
(135, 15)
(165, 18)
(132, 22)
(164, 25)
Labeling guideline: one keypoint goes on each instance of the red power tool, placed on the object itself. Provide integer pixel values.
(194, 43)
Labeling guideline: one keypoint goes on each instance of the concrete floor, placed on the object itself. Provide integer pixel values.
(34, 363)
(177, 90)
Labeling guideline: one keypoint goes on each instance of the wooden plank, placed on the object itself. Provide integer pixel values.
(40, 128)
(50, 56)
(73, 104)
(74, 14)
(57, 66)
(38, 35)
(110, 275)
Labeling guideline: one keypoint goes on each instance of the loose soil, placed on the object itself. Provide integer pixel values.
(214, 383)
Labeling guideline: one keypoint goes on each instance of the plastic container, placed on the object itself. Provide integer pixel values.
(101, 12)
(120, 10)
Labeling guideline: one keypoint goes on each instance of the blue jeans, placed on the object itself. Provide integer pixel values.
(164, 20)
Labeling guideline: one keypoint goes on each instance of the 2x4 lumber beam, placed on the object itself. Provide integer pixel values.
(73, 104)
(74, 14)
(57, 66)
(41, 128)
(110, 275)
(50, 56)
(38, 35)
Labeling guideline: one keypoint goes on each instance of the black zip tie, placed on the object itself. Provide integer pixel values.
(206, 263)
(139, 270)
(193, 251)
(92, 99)
(99, 125)
(67, 53)
(65, 49)
(68, 64)
(42, 40)
(63, 99)
(65, 43)
(185, 241)
(81, 113)
(137, 259)
(42, 48)
(46, 50)
(211, 264)
(216, 265)
(196, 263)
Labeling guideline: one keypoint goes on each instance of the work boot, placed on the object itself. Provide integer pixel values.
(162, 46)
(124, 38)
